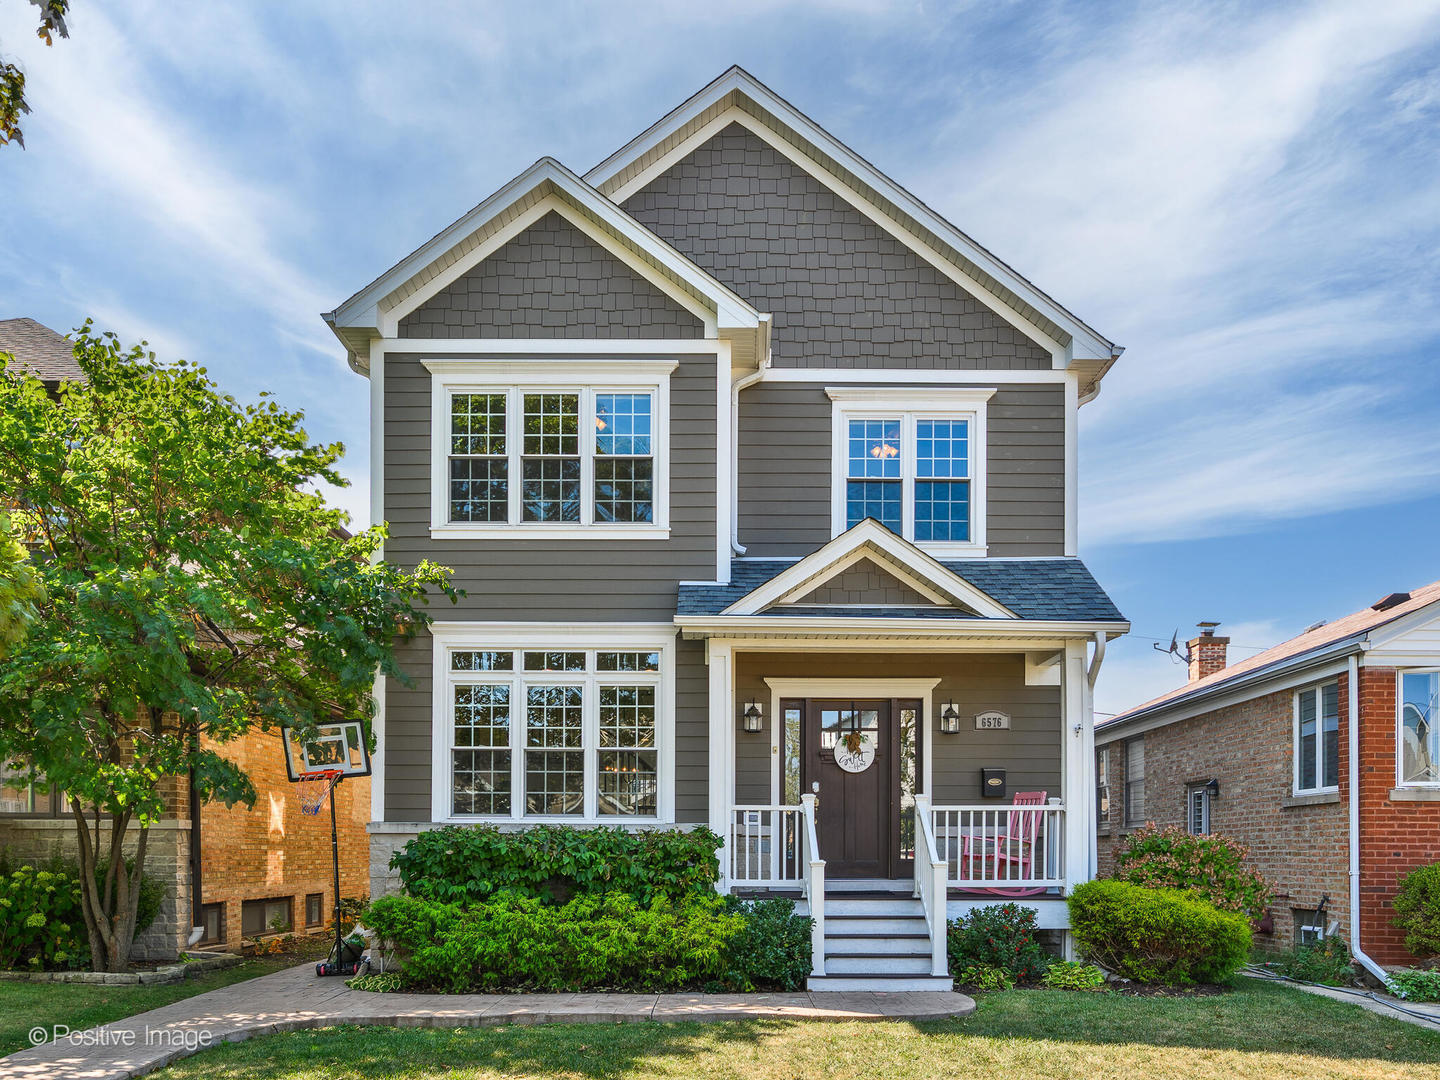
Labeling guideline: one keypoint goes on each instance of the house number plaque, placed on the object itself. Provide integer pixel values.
(992, 721)
(856, 760)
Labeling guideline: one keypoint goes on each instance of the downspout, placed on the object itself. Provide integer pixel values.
(1353, 707)
(736, 386)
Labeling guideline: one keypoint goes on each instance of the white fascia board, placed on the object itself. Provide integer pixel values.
(869, 534)
(1387, 635)
(1019, 635)
(498, 348)
(1085, 342)
(910, 376)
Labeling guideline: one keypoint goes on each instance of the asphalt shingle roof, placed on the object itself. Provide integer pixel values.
(1050, 589)
(47, 355)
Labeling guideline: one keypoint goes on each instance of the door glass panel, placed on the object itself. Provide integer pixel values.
(909, 729)
(790, 763)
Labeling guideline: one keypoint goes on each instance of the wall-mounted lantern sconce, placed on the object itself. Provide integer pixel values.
(950, 718)
(1212, 788)
(751, 718)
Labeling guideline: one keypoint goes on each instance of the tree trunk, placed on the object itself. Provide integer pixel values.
(111, 907)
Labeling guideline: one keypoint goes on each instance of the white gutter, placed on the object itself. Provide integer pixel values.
(736, 386)
(1353, 707)
(1096, 659)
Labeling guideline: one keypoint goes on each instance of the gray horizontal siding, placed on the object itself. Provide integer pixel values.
(550, 281)
(843, 292)
(1030, 750)
(784, 469)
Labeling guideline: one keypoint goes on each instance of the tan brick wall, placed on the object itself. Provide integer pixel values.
(274, 850)
(1300, 849)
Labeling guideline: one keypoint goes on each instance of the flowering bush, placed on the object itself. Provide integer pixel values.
(999, 936)
(1213, 866)
(41, 924)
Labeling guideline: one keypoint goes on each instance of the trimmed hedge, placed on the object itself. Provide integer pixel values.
(466, 864)
(1157, 935)
(610, 942)
(1417, 910)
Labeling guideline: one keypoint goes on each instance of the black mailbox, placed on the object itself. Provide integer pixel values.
(992, 783)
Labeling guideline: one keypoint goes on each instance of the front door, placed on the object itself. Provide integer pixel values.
(848, 753)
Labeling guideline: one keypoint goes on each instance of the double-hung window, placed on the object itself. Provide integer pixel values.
(575, 731)
(1135, 783)
(1418, 759)
(915, 465)
(1317, 739)
(570, 451)
(1197, 810)
(1102, 786)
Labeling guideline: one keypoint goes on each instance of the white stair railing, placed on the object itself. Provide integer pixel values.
(930, 883)
(814, 886)
(765, 847)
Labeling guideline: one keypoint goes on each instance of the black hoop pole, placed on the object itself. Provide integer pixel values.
(335, 866)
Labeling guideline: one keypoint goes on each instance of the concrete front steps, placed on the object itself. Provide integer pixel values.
(876, 940)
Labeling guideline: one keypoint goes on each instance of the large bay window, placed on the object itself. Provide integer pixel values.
(914, 464)
(574, 449)
(533, 726)
(1419, 731)
(1317, 739)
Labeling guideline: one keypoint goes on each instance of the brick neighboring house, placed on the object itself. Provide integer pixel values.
(251, 865)
(1262, 750)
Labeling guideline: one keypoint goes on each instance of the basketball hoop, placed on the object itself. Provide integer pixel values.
(312, 787)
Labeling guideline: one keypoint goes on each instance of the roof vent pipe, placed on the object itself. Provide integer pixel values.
(1394, 599)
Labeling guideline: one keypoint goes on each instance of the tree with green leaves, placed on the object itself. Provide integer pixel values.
(195, 588)
(12, 80)
(19, 588)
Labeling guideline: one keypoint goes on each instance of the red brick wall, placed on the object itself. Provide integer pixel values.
(274, 850)
(1300, 849)
(1395, 836)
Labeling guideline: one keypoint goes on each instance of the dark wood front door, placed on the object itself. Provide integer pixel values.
(855, 812)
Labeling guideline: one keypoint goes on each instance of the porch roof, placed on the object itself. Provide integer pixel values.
(1050, 590)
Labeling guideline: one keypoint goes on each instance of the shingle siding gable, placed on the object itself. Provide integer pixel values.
(551, 281)
(843, 292)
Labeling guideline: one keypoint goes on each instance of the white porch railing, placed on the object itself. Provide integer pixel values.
(775, 847)
(930, 883)
(1017, 850)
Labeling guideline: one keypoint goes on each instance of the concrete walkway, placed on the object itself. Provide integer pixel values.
(295, 998)
(1421, 1014)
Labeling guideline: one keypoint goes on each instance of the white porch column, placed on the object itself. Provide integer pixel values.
(1077, 734)
(720, 658)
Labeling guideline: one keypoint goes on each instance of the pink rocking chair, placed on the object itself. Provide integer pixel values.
(1013, 850)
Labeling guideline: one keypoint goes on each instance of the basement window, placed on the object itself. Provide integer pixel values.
(269, 916)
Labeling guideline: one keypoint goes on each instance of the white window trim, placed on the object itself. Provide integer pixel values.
(517, 637)
(934, 403)
(1400, 781)
(515, 377)
(1320, 789)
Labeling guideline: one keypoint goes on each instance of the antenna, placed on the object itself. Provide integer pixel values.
(1173, 649)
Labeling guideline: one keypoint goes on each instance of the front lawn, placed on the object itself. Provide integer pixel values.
(1260, 1031)
(24, 1005)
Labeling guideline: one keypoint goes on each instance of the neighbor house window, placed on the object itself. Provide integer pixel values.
(1135, 783)
(1317, 739)
(556, 457)
(1309, 925)
(314, 909)
(212, 918)
(916, 466)
(1102, 786)
(270, 916)
(1197, 810)
(19, 796)
(555, 732)
(1419, 736)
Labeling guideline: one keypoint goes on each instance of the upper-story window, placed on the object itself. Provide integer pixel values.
(1317, 739)
(1419, 735)
(914, 464)
(554, 455)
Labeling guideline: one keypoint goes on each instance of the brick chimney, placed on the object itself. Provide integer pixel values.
(1207, 652)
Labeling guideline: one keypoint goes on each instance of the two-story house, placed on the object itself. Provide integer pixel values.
(761, 480)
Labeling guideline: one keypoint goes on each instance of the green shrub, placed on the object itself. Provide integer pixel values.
(772, 950)
(986, 977)
(1213, 866)
(1417, 910)
(1414, 985)
(1073, 975)
(467, 864)
(384, 982)
(611, 941)
(1001, 936)
(1327, 962)
(1157, 935)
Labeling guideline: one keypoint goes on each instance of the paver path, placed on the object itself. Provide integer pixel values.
(295, 998)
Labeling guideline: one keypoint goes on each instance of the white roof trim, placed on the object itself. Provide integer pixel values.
(892, 551)
(1085, 341)
(364, 309)
(859, 555)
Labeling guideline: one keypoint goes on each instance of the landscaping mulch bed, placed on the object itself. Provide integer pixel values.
(1132, 989)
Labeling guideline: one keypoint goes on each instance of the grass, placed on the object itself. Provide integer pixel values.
(1260, 1031)
(24, 1005)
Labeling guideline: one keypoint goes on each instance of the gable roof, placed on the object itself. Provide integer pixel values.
(738, 94)
(1315, 646)
(47, 355)
(376, 309)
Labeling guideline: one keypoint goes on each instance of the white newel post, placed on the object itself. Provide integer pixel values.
(1079, 801)
(722, 749)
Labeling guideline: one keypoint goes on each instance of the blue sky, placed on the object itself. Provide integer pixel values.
(1246, 197)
